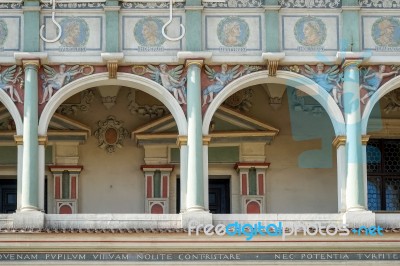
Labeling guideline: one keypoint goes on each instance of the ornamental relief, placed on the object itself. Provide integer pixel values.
(310, 3)
(110, 134)
(234, 3)
(380, 3)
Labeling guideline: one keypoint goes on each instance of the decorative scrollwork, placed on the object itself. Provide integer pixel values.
(310, 3)
(111, 134)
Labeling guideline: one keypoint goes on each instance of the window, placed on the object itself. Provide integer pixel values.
(383, 168)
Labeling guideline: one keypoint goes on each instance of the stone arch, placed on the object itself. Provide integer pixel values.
(283, 77)
(389, 86)
(124, 79)
(12, 108)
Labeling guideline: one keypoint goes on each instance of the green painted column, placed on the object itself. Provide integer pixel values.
(31, 27)
(195, 182)
(30, 170)
(112, 26)
(350, 39)
(272, 27)
(355, 197)
(193, 25)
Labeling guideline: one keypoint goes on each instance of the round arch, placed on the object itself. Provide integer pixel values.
(389, 86)
(286, 78)
(124, 79)
(12, 108)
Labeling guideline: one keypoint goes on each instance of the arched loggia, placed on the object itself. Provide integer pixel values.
(124, 79)
(301, 83)
(283, 77)
(389, 86)
(102, 79)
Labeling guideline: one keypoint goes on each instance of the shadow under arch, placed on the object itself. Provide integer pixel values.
(389, 86)
(12, 108)
(124, 79)
(286, 78)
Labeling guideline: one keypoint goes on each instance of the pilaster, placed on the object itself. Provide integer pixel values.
(193, 21)
(272, 27)
(350, 39)
(112, 26)
(31, 27)
(182, 143)
(339, 143)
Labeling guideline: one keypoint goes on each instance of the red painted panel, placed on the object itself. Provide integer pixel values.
(253, 207)
(157, 209)
(260, 184)
(65, 209)
(165, 187)
(57, 188)
(244, 184)
(73, 187)
(149, 186)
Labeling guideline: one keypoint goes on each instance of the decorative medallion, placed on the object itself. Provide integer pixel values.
(386, 32)
(310, 31)
(111, 134)
(147, 32)
(3, 32)
(75, 32)
(233, 32)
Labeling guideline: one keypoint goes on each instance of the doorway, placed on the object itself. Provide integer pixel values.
(218, 194)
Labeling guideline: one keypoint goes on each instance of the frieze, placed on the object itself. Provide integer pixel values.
(219, 77)
(89, 5)
(150, 5)
(53, 80)
(310, 3)
(380, 3)
(10, 78)
(11, 6)
(234, 4)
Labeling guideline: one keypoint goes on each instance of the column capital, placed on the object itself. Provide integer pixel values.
(365, 139)
(339, 141)
(31, 63)
(19, 139)
(43, 140)
(351, 63)
(198, 62)
(181, 141)
(206, 140)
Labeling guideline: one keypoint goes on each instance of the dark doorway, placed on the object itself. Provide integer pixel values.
(218, 195)
(8, 195)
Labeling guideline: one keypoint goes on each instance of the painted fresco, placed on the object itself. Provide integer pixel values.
(381, 34)
(310, 33)
(143, 34)
(10, 33)
(83, 34)
(233, 34)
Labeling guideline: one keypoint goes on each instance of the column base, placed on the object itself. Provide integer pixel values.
(196, 218)
(29, 209)
(196, 208)
(28, 219)
(356, 219)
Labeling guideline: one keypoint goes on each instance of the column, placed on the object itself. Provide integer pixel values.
(195, 177)
(20, 148)
(272, 27)
(364, 141)
(206, 144)
(30, 171)
(42, 163)
(355, 197)
(182, 144)
(339, 144)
